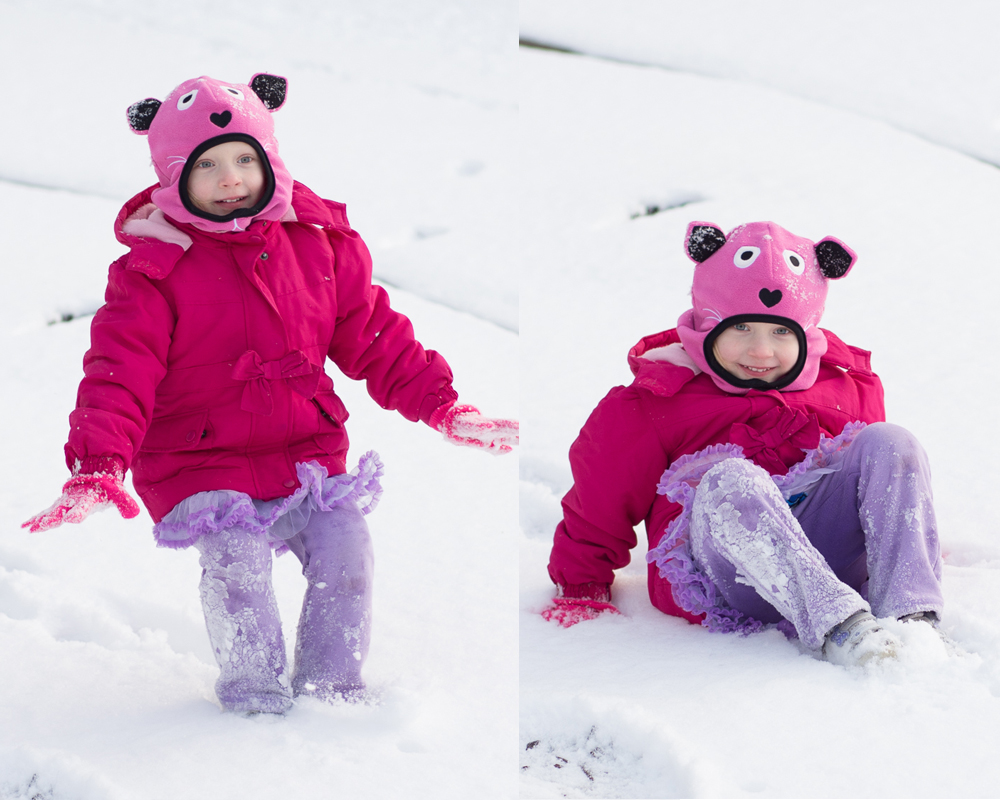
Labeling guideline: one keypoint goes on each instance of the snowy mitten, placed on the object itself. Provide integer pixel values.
(82, 495)
(568, 611)
(464, 425)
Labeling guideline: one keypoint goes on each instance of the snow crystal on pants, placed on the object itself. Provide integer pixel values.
(868, 515)
(242, 617)
(322, 522)
(335, 624)
(874, 523)
(740, 523)
(242, 620)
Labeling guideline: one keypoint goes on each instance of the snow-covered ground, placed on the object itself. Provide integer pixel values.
(770, 127)
(406, 112)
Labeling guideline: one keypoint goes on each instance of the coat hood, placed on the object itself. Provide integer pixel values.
(759, 272)
(199, 114)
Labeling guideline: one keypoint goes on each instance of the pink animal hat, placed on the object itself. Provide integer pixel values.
(200, 114)
(759, 272)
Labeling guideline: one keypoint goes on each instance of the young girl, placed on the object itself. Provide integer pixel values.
(205, 378)
(753, 446)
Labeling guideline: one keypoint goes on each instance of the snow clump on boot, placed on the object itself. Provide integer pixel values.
(859, 641)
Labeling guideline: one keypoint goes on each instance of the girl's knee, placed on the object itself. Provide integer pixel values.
(221, 549)
(885, 440)
(738, 476)
(733, 488)
(733, 468)
(355, 582)
(342, 521)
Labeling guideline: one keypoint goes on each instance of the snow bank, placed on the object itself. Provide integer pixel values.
(927, 68)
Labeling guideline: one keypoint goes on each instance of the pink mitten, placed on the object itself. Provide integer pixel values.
(464, 425)
(568, 611)
(82, 495)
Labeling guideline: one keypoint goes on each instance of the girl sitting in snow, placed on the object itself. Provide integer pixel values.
(205, 378)
(753, 446)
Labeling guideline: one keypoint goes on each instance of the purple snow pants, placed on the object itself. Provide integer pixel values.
(865, 532)
(242, 616)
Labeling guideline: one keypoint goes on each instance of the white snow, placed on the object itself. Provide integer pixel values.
(758, 117)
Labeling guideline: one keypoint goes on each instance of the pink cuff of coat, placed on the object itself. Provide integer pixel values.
(599, 592)
(435, 406)
(100, 465)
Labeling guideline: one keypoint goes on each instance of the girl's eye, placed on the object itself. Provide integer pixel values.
(745, 256)
(741, 326)
(794, 261)
(234, 92)
(204, 164)
(781, 331)
(246, 159)
(187, 100)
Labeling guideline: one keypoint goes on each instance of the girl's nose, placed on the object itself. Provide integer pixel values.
(230, 177)
(760, 347)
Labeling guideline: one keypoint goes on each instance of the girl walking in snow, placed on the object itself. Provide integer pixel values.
(205, 378)
(753, 446)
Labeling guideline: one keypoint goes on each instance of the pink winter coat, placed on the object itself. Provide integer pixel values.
(205, 370)
(637, 431)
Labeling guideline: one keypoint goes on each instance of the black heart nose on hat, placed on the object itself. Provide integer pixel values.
(769, 298)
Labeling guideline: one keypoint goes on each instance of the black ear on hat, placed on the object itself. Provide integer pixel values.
(140, 115)
(703, 240)
(835, 259)
(271, 89)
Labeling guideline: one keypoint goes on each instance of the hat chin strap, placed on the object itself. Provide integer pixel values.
(708, 352)
(693, 341)
(256, 208)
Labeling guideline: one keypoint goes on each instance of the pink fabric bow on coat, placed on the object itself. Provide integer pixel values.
(302, 376)
(778, 426)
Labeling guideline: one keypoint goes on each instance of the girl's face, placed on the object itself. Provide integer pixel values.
(226, 177)
(761, 350)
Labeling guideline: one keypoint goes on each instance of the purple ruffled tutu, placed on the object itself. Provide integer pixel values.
(694, 591)
(280, 519)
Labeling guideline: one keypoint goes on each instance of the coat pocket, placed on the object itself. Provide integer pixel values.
(177, 432)
(331, 408)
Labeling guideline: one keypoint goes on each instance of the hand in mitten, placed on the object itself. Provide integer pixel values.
(82, 495)
(464, 425)
(568, 611)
